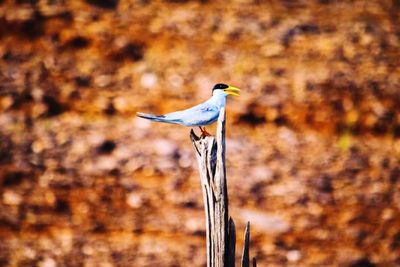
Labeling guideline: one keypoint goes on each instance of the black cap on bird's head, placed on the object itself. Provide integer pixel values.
(220, 86)
(230, 90)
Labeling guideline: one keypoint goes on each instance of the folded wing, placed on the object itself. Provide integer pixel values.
(200, 115)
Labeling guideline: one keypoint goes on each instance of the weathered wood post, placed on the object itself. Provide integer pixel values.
(220, 231)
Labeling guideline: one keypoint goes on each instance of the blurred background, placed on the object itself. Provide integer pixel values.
(313, 144)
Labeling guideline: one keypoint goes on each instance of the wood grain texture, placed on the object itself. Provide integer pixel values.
(220, 232)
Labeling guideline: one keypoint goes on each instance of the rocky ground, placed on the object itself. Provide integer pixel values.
(313, 146)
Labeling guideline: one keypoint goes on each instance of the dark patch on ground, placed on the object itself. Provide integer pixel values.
(131, 51)
(83, 81)
(106, 4)
(31, 2)
(307, 28)
(54, 107)
(62, 206)
(363, 263)
(13, 178)
(6, 149)
(252, 119)
(78, 42)
(110, 109)
(34, 27)
(252, 116)
(107, 147)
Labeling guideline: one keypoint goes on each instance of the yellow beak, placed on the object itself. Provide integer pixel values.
(232, 91)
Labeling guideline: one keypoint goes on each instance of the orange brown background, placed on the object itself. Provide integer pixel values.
(313, 144)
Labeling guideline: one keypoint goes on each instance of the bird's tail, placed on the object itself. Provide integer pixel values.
(160, 118)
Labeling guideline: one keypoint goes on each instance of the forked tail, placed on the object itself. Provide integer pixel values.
(160, 118)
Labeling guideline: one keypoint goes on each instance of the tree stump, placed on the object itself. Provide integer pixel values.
(220, 229)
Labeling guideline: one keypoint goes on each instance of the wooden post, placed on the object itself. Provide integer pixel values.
(221, 233)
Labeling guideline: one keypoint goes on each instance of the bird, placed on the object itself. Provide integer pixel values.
(200, 115)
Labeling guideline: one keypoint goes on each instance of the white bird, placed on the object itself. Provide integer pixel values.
(200, 115)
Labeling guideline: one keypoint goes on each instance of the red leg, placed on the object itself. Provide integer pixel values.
(204, 131)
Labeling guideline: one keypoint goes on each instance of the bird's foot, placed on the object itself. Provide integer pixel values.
(204, 132)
